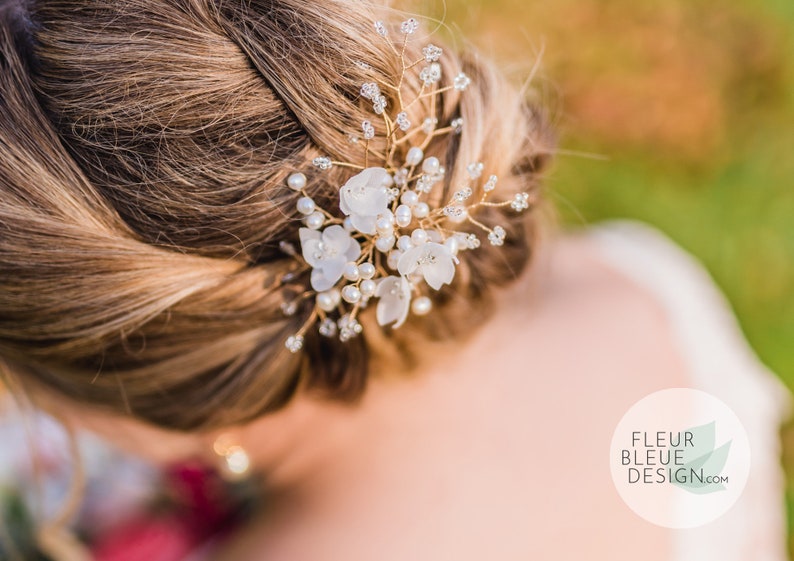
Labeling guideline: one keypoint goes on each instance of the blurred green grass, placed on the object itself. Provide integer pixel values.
(689, 108)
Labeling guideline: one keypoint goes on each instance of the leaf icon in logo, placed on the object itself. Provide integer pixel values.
(700, 460)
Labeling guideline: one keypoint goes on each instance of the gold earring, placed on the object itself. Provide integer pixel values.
(236, 463)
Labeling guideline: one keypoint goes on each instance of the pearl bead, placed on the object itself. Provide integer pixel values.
(384, 244)
(296, 181)
(366, 270)
(347, 224)
(452, 245)
(403, 215)
(404, 243)
(351, 272)
(315, 220)
(431, 165)
(368, 287)
(414, 156)
(421, 210)
(388, 180)
(420, 306)
(418, 236)
(409, 198)
(394, 258)
(351, 294)
(328, 300)
(305, 205)
(385, 224)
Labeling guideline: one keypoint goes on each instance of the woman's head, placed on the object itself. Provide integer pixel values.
(144, 148)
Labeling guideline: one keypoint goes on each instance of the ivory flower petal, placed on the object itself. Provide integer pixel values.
(327, 253)
(364, 197)
(395, 300)
(433, 260)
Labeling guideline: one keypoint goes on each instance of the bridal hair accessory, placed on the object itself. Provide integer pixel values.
(391, 245)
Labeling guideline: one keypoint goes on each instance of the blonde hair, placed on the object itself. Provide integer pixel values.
(144, 147)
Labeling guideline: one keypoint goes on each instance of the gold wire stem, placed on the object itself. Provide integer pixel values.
(477, 223)
(309, 321)
(417, 98)
(420, 61)
(488, 203)
(435, 92)
(408, 136)
(347, 165)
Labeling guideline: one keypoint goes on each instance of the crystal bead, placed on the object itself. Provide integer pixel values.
(454, 211)
(409, 26)
(369, 130)
(491, 184)
(520, 202)
(429, 125)
(348, 327)
(294, 343)
(322, 162)
(402, 121)
(370, 90)
(463, 194)
(327, 327)
(497, 236)
(461, 82)
(432, 53)
(475, 169)
(430, 74)
(379, 104)
(289, 308)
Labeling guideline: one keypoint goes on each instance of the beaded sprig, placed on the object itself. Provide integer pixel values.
(391, 245)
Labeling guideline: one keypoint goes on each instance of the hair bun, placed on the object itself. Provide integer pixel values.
(144, 164)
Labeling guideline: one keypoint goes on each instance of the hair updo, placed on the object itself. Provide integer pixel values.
(144, 147)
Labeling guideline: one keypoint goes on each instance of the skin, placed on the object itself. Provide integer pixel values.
(497, 450)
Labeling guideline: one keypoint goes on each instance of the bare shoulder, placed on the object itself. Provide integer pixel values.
(498, 451)
(584, 328)
(579, 300)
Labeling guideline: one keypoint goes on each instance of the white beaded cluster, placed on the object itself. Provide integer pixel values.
(391, 245)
